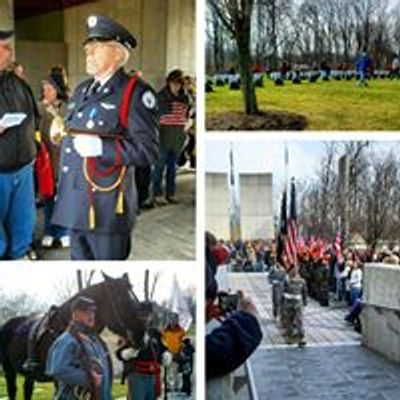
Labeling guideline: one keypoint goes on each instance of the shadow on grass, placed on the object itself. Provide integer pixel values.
(264, 121)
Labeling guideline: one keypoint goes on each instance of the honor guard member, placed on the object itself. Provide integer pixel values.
(78, 360)
(295, 297)
(111, 127)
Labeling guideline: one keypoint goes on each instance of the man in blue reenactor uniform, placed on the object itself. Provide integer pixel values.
(111, 127)
(78, 360)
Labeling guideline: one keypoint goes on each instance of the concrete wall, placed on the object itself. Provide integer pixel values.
(6, 15)
(217, 205)
(39, 57)
(381, 314)
(165, 30)
(44, 28)
(181, 36)
(147, 20)
(256, 206)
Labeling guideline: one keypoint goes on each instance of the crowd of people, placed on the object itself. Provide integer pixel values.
(43, 152)
(322, 273)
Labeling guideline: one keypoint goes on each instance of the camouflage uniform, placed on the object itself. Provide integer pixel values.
(276, 277)
(294, 296)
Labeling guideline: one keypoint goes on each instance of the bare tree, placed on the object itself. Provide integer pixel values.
(374, 194)
(236, 16)
(14, 305)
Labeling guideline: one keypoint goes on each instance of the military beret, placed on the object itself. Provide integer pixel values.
(104, 29)
(83, 303)
(4, 35)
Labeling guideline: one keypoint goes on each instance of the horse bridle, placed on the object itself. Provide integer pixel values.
(120, 321)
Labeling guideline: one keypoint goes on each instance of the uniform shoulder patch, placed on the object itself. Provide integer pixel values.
(149, 99)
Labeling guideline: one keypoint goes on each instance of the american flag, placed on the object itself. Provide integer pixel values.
(178, 115)
(287, 239)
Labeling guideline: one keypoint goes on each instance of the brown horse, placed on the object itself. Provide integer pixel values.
(118, 309)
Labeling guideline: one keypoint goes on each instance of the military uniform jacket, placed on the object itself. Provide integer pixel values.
(138, 147)
(64, 364)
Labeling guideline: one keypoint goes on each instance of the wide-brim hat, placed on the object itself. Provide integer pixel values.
(102, 28)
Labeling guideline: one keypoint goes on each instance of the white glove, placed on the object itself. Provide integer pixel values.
(166, 359)
(128, 354)
(88, 145)
(2, 129)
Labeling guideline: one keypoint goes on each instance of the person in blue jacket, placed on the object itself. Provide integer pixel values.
(363, 64)
(78, 360)
(234, 335)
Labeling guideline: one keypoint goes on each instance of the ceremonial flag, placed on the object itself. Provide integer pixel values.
(234, 191)
(282, 229)
(291, 242)
(180, 306)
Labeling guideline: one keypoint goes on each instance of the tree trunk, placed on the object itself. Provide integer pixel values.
(248, 89)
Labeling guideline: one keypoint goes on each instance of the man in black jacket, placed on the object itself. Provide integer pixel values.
(17, 154)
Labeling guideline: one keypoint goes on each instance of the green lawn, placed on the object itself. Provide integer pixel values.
(326, 105)
(44, 391)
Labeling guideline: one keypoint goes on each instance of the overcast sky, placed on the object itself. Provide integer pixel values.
(45, 281)
(268, 156)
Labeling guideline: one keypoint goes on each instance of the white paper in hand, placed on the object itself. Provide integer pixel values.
(9, 120)
(88, 145)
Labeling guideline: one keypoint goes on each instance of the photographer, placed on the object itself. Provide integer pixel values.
(233, 334)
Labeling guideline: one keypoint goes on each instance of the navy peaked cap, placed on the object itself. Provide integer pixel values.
(105, 29)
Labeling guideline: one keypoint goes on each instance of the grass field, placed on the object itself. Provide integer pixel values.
(326, 105)
(44, 391)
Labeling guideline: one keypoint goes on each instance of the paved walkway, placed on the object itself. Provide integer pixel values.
(334, 366)
(162, 233)
(323, 325)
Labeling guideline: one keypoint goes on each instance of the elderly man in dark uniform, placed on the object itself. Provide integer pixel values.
(78, 360)
(111, 127)
(17, 154)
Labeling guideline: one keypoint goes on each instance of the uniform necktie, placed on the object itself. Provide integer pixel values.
(93, 89)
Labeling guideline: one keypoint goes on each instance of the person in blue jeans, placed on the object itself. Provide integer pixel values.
(174, 109)
(17, 154)
(17, 212)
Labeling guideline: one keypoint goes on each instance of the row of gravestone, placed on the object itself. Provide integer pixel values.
(296, 77)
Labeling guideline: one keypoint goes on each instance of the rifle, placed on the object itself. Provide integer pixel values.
(89, 364)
